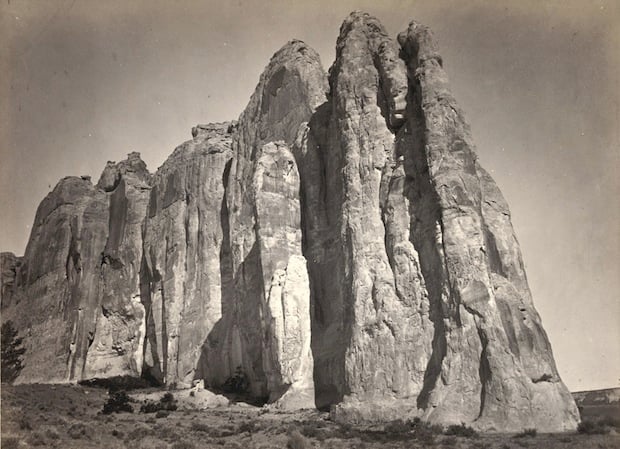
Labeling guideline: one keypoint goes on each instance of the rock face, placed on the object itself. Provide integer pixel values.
(116, 346)
(185, 273)
(339, 246)
(264, 237)
(9, 266)
(55, 303)
(285, 309)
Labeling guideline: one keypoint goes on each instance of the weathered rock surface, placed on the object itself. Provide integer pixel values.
(287, 357)
(56, 293)
(339, 246)
(195, 398)
(289, 90)
(116, 348)
(184, 272)
(371, 332)
(9, 266)
(492, 337)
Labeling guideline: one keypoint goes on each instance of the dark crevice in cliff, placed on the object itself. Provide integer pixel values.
(147, 280)
(493, 256)
(425, 216)
(321, 248)
(212, 365)
(117, 220)
(484, 371)
(164, 317)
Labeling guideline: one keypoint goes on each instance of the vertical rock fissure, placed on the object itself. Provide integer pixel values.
(164, 319)
(424, 212)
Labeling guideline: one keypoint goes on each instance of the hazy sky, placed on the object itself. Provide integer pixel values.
(83, 82)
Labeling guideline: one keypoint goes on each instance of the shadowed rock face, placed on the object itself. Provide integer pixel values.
(9, 266)
(339, 245)
(56, 295)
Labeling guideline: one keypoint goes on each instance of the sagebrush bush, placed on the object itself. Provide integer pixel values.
(166, 403)
(297, 441)
(9, 442)
(78, 431)
(183, 445)
(593, 427)
(526, 433)
(118, 402)
(461, 430)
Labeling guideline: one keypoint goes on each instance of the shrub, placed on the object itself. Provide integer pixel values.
(167, 403)
(313, 429)
(247, 426)
(526, 433)
(237, 383)
(118, 402)
(449, 441)
(11, 352)
(297, 441)
(398, 426)
(592, 427)
(162, 413)
(77, 431)
(183, 445)
(425, 432)
(200, 427)
(52, 434)
(24, 423)
(10, 442)
(461, 430)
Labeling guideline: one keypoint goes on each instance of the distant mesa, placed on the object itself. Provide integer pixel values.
(338, 246)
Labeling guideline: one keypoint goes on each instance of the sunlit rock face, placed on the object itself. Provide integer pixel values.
(339, 246)
(184, 269)
(263, 206)
(116, 346)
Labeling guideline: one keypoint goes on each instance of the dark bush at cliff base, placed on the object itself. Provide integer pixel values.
(12, 352)
(117, 403)
(167, 403)
(461, 430)
(237, 383)
(602, 425)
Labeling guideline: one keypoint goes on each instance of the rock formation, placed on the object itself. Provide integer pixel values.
(339, 246)
(9, 266)
(184, 270)
(115, 348)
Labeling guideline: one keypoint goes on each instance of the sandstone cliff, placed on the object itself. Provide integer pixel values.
(339, 246)
(185, 274)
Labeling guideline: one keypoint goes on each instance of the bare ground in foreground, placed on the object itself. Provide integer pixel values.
(68, 416)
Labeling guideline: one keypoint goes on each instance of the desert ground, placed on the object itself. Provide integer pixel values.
(70, 416)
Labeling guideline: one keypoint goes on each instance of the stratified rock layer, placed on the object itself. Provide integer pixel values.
(338, 246)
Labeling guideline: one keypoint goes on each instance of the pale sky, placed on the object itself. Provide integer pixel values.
(83, 82)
